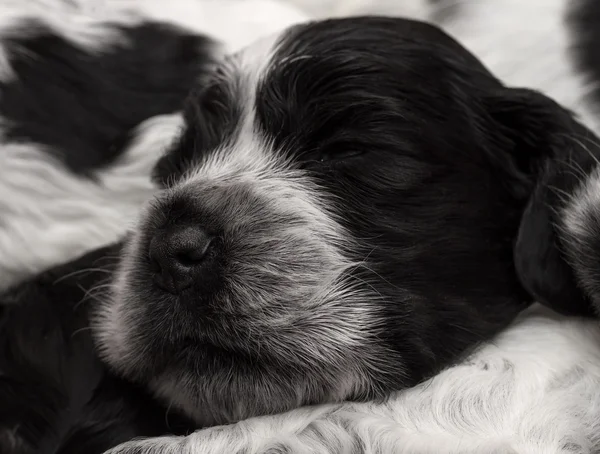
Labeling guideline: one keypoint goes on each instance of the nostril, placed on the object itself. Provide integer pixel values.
(187, 259)
(176, 253)
(194, 254)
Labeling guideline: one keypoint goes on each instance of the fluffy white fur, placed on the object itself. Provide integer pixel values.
(50, 214)
(576, 214)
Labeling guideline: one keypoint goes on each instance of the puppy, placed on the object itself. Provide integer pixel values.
(337, 223)
(457, 391)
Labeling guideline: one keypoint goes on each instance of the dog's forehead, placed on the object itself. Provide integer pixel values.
(410, 51)
(367, 33)
(290, 92)
(322, 39)
(252, 62)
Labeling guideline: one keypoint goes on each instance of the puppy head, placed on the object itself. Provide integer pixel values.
(337, 222)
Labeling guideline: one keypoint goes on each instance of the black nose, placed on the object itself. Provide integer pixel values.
(178, 253)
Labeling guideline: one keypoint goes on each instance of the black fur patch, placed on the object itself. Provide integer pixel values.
(56, 395)
(82, 103)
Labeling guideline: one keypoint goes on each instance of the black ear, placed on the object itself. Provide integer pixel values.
(539, 252)
(551, 148)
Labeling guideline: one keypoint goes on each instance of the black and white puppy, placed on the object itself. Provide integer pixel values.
(535, 398)
(337, 223)
(502, 122)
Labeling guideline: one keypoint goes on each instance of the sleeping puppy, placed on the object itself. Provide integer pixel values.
(337, 223)
(423, 418)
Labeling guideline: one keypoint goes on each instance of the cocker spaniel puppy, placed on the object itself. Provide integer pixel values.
(337, 223)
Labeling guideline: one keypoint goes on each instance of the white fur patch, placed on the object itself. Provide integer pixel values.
(237, 23)
(417, 9)
(50, 215)
(584, 202)
(234, 22)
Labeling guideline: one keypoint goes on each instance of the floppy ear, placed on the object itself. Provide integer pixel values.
(548, 145)
(539, 253)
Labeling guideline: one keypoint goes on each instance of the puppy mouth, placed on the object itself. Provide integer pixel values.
(205, 351)
(213, 333)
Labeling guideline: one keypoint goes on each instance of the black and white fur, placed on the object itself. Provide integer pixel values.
(91, 94)
(56, 395)
(329, 162)
(543, 386)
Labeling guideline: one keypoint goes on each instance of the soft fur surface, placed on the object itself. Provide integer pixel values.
(534, 389)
